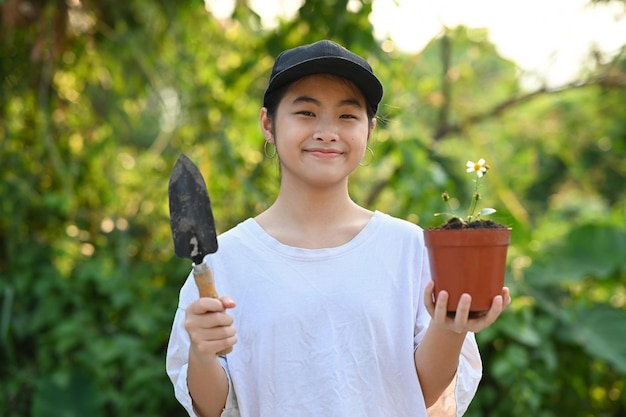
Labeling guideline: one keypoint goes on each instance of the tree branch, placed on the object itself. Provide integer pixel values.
(607, 80)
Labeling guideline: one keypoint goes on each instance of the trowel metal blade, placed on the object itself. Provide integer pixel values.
(191, 216)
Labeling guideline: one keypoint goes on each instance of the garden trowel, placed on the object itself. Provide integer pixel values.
(193, 226)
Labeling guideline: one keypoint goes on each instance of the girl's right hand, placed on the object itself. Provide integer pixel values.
(210, 328)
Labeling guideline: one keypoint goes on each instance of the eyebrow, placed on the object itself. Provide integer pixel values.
(345, 102)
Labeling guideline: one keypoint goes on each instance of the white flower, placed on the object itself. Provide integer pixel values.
(480, 167)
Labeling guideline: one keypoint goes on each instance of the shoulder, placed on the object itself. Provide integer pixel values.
(245, 236)
(398, 230)
(396, 224)
(238, 232)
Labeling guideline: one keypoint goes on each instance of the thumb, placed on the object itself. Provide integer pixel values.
(228, 302)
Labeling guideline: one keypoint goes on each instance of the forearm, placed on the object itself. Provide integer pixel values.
(436, 361)
(208, 385)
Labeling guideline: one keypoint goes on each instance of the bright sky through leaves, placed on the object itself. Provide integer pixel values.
(549, 39)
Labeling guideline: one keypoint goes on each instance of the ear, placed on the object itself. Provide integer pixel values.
(266, 125)
(372, 126)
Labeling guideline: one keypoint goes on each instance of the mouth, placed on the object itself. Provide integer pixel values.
(324, 153)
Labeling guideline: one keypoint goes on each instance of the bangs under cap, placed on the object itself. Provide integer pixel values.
(325, 57)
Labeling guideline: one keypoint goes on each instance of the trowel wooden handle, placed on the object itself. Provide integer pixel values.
(204, 281)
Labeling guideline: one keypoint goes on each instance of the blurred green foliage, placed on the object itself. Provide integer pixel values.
(97, 99)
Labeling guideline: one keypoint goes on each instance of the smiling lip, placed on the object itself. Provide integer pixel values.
(324, 153)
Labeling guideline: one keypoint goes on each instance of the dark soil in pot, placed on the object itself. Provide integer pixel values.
(456, 223)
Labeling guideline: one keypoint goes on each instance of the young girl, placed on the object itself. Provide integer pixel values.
(335, 312)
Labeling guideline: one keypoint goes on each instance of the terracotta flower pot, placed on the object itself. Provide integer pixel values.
(469, 261)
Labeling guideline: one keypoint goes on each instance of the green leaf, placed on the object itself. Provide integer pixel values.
(487, 211)
(591, 249)
(600, 332)
(66, 395)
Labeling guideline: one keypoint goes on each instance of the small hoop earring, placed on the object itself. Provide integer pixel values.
(267, 154)
(371, 158)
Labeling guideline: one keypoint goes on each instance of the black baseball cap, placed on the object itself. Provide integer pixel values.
(325, 57)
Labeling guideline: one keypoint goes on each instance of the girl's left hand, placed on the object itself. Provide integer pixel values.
(461, 323)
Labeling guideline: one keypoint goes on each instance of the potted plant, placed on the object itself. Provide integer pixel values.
(468, 255)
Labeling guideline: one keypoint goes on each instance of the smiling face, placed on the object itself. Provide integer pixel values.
(320, 129)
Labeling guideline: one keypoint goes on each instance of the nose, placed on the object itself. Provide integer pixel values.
(326, 131)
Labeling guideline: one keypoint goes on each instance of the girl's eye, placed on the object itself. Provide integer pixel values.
(348, 116)
(305, 113)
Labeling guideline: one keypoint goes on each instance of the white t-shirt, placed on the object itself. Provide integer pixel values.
(323, 332)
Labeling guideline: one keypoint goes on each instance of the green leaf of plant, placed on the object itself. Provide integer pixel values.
(600, 332)
(487, 211)
(587, 250)
(70, 395)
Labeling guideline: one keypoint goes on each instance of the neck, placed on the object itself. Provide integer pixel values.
(311, 201)
(314, 218)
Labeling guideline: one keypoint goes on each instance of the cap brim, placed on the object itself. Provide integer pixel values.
(364, 80)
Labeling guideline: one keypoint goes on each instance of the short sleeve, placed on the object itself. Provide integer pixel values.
(177, 358)
(231, 409)
(457, 397)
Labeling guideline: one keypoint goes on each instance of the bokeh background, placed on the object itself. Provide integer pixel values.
(98, 99)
